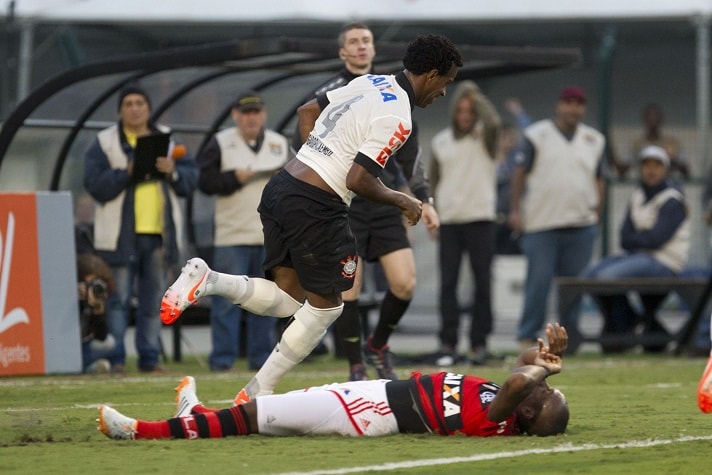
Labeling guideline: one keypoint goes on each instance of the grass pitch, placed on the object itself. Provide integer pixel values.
(629, 414)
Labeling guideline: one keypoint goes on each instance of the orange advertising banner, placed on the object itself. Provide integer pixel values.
(21, 332)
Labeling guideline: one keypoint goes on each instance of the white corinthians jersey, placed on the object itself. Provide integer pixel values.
(371, 115)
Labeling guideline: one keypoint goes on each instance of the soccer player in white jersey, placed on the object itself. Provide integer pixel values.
(379, 231)
(311, 254)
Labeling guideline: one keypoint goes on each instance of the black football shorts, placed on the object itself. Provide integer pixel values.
(307, 228)
(378, 228)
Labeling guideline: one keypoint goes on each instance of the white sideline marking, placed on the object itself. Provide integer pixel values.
(83, 406)
(82, 380)
(518, 453)
(664, 385)
(333, 376)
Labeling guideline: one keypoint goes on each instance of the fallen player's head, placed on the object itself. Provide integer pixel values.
(544, 412)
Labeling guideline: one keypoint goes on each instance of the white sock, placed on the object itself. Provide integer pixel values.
(232, 287)
(298, 340)
(272, 371)
(254, 294)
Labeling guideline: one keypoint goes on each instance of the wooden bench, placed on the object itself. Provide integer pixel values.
(690, 290)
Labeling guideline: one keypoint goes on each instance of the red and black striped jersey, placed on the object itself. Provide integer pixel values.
(457, 404)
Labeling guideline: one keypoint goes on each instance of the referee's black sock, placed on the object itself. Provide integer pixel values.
(348, 332)
(392, 310)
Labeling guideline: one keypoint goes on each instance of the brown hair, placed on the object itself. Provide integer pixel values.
(88, 264)
(351, 26)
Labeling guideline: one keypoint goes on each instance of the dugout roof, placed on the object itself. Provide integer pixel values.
(191, 90)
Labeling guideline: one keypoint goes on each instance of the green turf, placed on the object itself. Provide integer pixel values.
(629, 414)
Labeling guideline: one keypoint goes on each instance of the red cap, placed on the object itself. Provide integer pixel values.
(572, 93)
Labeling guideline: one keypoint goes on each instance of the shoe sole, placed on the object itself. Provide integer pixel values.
(106, 430)
(169, 314)
(103, 428)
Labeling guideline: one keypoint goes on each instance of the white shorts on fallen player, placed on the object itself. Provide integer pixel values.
(349, 409)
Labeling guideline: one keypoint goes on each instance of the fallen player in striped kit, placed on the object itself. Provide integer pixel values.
(441, 403)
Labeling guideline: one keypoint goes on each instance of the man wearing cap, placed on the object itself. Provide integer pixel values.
(655, 236)
(653, 118)
(235, 166)
(557, 195)
(138, 224)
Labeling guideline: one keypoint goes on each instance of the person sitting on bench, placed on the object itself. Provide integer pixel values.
(655, 237)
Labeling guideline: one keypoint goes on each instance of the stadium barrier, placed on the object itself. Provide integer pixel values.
(39, 311)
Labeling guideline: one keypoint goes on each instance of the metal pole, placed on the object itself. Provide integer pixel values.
(702, 23)
(6, 72)
(24, 69)
(605, 80)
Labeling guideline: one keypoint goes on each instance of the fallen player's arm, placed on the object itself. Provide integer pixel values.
(520, 383)
(528, 356)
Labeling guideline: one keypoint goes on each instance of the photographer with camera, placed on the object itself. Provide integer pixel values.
(95, 282)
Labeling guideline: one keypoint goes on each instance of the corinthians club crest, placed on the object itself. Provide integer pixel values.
(349, 269)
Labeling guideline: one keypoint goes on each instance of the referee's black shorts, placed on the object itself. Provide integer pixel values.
(378, 228)
(307, 228)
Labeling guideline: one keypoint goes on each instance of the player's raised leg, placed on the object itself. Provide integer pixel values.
(197, 280)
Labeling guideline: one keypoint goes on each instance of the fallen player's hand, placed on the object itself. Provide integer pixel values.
(558, 338)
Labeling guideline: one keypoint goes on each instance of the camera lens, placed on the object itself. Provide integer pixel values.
(99, 288)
